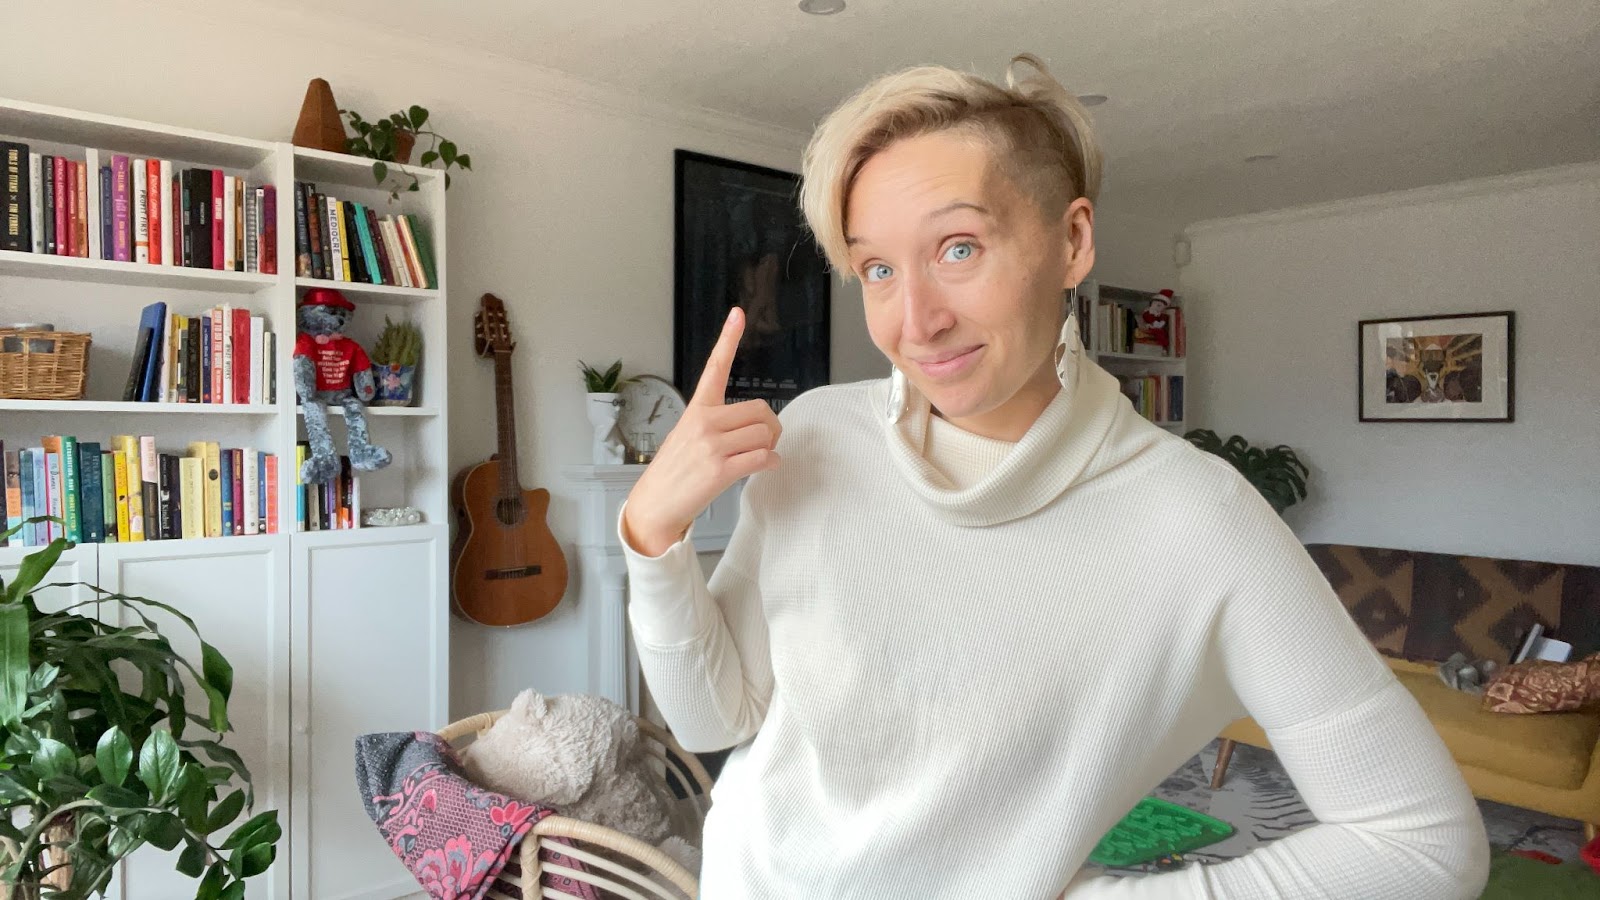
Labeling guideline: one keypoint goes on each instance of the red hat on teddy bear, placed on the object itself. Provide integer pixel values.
(326, 297)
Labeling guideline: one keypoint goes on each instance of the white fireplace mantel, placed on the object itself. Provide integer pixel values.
(602, 573)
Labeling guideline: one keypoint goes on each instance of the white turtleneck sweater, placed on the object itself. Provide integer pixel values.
(951, 664)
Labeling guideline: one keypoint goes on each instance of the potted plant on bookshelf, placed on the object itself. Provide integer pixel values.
(391, 140)
(605, 408)
(90, 771)
(395, 356)
(1276, 472)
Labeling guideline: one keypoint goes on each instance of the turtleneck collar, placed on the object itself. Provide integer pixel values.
(1058, 451)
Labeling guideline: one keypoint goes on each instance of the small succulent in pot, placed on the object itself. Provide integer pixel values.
(395, 357)
(606, 382)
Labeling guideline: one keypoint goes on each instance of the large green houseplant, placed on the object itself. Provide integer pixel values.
(1276, 472)
(100, 752)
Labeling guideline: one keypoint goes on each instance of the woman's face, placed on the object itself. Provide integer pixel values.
(962, 277)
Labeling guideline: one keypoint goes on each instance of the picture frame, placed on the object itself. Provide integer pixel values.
(740, 239)
(1459, 367)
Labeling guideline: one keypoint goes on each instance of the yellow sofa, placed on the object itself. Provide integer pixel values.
(1420, 607)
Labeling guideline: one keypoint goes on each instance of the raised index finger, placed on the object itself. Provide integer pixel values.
(713, 385)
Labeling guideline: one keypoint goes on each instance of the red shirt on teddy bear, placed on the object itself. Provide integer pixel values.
(335, 357)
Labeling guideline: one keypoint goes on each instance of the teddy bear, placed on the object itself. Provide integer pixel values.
(582, 756)
(332, 368)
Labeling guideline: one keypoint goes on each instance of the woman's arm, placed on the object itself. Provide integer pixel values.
(703, 646)
(1395, 817)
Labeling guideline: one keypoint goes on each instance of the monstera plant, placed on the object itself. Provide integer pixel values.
(1276, 472)
(102, 754)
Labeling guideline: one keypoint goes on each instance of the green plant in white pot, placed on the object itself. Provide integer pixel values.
(604, 407)
(395, 358)
(100, 751)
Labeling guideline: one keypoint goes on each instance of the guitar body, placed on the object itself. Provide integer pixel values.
(509, 569)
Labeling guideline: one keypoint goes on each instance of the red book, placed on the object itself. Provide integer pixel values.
(63, 236)
(218, 255)
(271, 487)
(241, 355)
(267, 256)
(152, 177)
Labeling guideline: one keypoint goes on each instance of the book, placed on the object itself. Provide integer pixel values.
(391, 237)
(152, 211)
(218, 252)
(254, 385)
(108, 498)
(204, 352)
(369, 255)
(302, 235)
(379, 247)
(270, 488)
(216, 316)
(81, 228)
(209, 454)
(147, 350)
(58, 205)
(12, 460)
(91, 508)
(52, 492)
(183, 194)
(191, 494)
(5, 506)
(36, 202)
(36, 496)
(240, 337)
(191, 367)
(47, 201)
(269, 230)
(119, 472)
(412, 262)
(300, 450)
(230, 186)
(227, 356)
(239, 192)
(252, 229)
(430, 273)
(140, 184)
(121, 248)
(150, 486)
(16, 214)
(199, 190)
(261, 494)
(252, 491)
(237, 466)
(225, 485)
(94, 209)
(269, 368)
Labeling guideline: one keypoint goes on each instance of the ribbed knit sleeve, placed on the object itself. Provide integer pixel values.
(703, 646)
(1396, 820)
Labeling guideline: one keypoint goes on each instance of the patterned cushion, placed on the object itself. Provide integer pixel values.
(1541, 686)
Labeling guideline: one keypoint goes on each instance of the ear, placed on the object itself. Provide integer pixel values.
(1079, 226)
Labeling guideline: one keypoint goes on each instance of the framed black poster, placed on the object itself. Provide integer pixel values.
(741, 241)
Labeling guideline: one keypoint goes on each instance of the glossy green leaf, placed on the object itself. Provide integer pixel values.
(464, 160)
(245, 835)
(116, 799)
(211, 886)
(418, 116)
(223, 814)
(258, 859)
(158, 765)
(33, 569)
(233, 891)
(192, 860)
(54, 758)
(14, 667)
(113, 756)
(165, 831)
(447, 152)
(380, 171)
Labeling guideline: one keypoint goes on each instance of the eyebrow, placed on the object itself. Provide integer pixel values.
(943, 210)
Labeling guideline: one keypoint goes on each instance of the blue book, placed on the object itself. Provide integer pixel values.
(364, 237)
(205, 358)
(154, 318)
(225, 467)
(261, 493)
(91, 514)
(30, 504)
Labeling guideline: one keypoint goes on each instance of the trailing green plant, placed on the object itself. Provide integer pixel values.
(606, 382)
(1276, 472)
(400, 343)
(383, 139)
(100, 754)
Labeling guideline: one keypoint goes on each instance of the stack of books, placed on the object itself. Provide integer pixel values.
(334, 505)
(345, 241)
(1158, 398)
(126, 490)
(223, 355)
(133, 209)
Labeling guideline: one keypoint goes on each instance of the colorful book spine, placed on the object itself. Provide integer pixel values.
(413, 264)
(149, 486)
(58, 211)
(191, 497)
(299, 488)
(91, 508)
(121, 237)
(430, 273)
(36, 198)
(119, 474)
(108, 497)
(52, 495)
(269, 230)
(271, 487)
(140, 185)
(203, 351)
(35, 499)
(252, 491)
(13, 494)
(241, 355)
(16, 226)
(225, 479)
(302, 234)
(238, 490)
(230, 188)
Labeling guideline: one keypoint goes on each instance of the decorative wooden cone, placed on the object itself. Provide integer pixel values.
(320, 127)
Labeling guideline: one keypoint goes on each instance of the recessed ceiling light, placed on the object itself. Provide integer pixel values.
(1091, 99)
(1260, 157)
(821, 7)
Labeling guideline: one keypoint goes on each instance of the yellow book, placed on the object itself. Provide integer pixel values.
(127, 448)
(210, 453)
(191, 485)
(344, 240)
(119, 466)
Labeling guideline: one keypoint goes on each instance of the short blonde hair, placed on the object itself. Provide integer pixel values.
(1041, 135)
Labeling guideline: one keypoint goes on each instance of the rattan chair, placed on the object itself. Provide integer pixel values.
(613, 862)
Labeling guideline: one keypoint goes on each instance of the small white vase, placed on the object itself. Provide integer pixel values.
(604, 410)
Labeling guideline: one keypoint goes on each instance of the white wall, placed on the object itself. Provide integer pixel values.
(1134, 251)
(1274, 300)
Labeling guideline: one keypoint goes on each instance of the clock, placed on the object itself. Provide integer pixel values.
(651, 407)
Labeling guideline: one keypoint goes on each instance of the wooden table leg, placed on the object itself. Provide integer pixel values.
(1220, 771)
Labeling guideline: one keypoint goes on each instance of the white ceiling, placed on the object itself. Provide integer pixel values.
(1357, 96)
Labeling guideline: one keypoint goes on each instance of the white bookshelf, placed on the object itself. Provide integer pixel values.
(1132, 364)
(332, 633)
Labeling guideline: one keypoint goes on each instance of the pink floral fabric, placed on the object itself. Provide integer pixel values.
(455, 837)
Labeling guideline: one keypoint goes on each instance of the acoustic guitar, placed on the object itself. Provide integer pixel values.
(508, 568)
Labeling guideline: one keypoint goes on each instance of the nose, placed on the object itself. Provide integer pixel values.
(924, 313)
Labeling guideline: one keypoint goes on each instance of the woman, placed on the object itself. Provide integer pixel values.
(974, 611)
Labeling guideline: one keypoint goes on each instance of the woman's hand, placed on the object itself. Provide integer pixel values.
(711, 447)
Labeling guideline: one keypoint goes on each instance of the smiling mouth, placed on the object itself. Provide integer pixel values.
(948, 356)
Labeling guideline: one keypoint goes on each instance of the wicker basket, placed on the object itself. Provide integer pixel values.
(43, 365)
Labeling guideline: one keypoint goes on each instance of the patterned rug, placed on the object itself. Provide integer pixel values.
(1262, 805)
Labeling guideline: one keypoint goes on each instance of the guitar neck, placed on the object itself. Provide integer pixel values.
(506, 425)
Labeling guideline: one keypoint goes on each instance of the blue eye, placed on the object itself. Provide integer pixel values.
(959, 252)
(878, 272)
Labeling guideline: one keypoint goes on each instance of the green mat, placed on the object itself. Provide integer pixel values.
(1156, 828)
(1518, 878)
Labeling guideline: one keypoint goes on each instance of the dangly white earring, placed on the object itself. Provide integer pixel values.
(896, 406)
(1068, 346)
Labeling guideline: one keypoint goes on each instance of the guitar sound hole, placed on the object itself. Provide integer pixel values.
(509, 511)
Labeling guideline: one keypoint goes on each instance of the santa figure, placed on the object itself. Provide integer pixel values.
(1153, 336)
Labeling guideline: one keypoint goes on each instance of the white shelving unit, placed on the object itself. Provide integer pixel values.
(332, 634)
(1132, 364)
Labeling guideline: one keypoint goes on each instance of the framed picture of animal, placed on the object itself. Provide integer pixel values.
(1444, 368)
